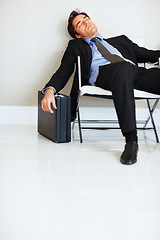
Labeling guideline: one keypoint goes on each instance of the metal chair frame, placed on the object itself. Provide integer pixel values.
(150, 117)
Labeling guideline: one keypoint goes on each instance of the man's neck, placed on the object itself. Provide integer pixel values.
(92, 36)
(95, 35)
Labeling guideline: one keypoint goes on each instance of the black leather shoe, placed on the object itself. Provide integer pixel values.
(129, 155)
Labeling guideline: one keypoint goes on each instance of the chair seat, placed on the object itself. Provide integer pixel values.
(93, 90)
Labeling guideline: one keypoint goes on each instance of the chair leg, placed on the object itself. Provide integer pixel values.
(152, 120)
(73, 124)
(79, 126)
(152, 110)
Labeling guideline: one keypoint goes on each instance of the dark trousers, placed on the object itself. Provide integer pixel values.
(121, 79)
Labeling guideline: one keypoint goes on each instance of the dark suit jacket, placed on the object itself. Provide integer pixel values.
(78, 47)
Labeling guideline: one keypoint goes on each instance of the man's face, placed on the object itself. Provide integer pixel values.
(84, 27)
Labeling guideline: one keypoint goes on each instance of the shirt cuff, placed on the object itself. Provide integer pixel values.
(44, 89)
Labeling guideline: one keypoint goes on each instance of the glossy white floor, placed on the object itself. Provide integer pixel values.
(77, 191)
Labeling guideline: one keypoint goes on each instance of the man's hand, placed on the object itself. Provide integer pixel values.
(48, 99)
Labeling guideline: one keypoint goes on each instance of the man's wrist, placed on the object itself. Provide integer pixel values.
(50, 90)
(44, 89)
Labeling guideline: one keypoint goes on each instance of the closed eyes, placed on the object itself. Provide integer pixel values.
(79, 24)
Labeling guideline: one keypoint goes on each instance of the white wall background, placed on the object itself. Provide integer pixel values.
(33, 37)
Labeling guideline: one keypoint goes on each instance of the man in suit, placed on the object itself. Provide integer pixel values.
(120, 77)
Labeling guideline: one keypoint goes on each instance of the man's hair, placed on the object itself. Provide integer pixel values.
(70, 27)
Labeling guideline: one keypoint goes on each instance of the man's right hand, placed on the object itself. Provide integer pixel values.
(47, 100)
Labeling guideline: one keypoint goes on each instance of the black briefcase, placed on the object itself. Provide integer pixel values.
(55, 126)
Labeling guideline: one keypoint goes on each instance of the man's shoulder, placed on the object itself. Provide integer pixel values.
(78, 46)
(76, 42)
(117, 38)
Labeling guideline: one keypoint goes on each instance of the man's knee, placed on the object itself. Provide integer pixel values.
(123, 76)
(123, 68)
(123, 71)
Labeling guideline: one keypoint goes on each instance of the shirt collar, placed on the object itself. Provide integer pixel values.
(97, 36)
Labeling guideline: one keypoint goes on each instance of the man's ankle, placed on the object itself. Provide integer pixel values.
(131, 137)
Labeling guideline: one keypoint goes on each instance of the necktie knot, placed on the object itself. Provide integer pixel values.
(94, 39)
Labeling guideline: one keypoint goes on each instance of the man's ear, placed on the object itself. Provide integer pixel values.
(78, 35)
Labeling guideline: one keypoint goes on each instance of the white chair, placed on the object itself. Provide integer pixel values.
(93, 91)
